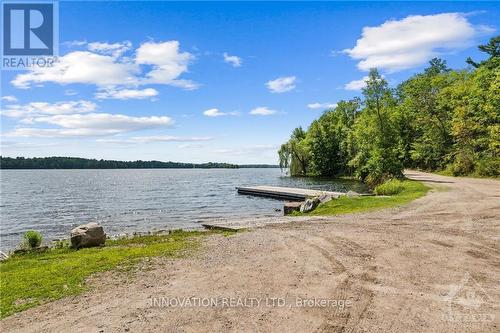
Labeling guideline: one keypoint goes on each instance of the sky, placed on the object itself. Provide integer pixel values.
(221, 82)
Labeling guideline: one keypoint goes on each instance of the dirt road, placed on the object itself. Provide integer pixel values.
(430, 266)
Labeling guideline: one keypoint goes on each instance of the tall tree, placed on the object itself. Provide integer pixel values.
(329, 139)
(492, 48)
(423, 121)
(375, 135)
(294, 154)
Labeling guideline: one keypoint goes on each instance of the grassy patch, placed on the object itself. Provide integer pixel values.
(391, 187)
(411, 190)
(31, 279)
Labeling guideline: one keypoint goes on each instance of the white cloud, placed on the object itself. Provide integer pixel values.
(156, 138)
(168, 138)
(81, 67)
(11, 99)
(34, 109)
(41, 133)
(401, 44)
(235, 61)
(356, 84)
(184, 84)
(91, 124)
(154, 63)
(168, 63)
(75, 43)
(213, 113)
(70, 92)
(323, 106)
(127, 93)
(114, 49)
(217, 113)
(191, 146)
(262, 111)
(247, 150)
(25, 145)
(281, 84)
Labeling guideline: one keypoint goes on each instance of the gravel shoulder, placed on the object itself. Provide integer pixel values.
(430, 266)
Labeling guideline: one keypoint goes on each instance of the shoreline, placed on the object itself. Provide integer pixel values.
(374, 259)
(346, 203)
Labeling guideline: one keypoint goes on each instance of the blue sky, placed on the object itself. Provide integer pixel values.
(198, 82)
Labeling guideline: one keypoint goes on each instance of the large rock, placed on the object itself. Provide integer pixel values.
(325, 198)
(309, 205)
(87, 235)
(291, 207)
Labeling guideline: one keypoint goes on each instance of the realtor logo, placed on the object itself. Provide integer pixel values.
(467, 302)
(29, 33)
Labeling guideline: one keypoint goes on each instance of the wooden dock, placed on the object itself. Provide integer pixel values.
(285, 193)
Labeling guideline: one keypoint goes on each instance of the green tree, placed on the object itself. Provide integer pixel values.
(375, 135)
(424, 122)
(294, 154)
(492, 49)
(329, 139)
(476, 121)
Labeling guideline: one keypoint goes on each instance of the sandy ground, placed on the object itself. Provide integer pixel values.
(430, 266)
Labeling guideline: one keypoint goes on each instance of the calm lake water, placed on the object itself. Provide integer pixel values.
(123, 201)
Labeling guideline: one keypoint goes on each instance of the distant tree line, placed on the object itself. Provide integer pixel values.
(259, 166)
(83, 163)
(438, 120)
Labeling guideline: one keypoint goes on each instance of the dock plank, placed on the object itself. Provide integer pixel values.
(286, 193)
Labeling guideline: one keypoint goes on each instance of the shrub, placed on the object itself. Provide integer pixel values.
(391, 187)
(61, 244)
(463, 164)
(32, 239)
(489, 167)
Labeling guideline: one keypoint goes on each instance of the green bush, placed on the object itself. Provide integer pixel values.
(391, 187)
(61, 244)
(32, 239)
(489, 167)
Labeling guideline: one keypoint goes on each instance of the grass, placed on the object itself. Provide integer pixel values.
(410, 191)
(35, 278)
(391, 187)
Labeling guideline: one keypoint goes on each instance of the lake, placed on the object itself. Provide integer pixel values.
(127, 200)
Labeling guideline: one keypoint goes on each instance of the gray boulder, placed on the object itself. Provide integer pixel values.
(87, 235)
(309, 205)
(352, 194)
(325, 198)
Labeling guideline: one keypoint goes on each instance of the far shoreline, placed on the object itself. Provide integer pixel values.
(79, 163)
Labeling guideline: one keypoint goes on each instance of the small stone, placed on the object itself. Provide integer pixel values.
(3, 256)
